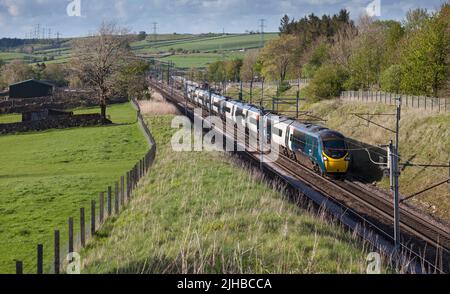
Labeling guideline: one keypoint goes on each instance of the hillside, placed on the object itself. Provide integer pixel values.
(191, 50)
(204, 213)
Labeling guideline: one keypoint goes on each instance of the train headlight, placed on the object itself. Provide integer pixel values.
(348, 158)
(325, 158)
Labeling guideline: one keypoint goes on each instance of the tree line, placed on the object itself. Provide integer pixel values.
(410, 56)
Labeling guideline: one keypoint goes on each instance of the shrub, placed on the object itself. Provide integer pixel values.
(391, 79)
(327, 82)
(284, 86)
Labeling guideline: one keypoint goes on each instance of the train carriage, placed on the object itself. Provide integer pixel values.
(318, 147)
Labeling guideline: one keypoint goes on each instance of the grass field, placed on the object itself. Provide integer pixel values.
(200, 60)
(210, 47)
(220, 43)
(203, 213)
(10, 118)
(10, 56)
(45, 177)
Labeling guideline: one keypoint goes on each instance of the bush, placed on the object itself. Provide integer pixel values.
(328, 82)
(284, 86)
(391, 79)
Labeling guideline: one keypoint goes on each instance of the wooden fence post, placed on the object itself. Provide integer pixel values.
(82, 227)
(117, 197)
(109, 201)
(92, 218)
(102, 206)
(56, 257)
(40, 259)
(122, 189)
(71, 235)
(19, 267)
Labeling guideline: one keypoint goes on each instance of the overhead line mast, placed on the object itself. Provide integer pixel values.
(262, 26)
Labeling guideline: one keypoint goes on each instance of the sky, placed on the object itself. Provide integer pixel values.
(18, 18)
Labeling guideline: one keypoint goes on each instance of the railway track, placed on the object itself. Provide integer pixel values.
(425, 237)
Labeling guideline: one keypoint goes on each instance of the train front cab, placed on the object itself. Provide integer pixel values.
(335, 155)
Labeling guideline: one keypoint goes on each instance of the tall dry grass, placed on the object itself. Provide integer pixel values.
(157, 105)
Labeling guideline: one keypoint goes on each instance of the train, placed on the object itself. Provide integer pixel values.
(321, 149)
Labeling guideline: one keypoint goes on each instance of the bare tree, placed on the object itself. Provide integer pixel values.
(97, 60)
(341, 48)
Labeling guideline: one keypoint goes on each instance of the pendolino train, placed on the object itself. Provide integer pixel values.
(321, 149)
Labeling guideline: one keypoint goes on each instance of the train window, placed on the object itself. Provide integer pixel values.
(278, 131)
(253, 121)
(227, 109)
(335, 147)
(300, 139)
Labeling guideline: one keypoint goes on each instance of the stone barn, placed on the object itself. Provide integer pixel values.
(30, 89)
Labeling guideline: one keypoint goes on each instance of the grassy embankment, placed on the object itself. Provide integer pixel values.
(424, 139)
(45, 177)
(203, 213)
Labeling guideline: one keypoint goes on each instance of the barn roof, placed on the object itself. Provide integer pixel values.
(32, 80)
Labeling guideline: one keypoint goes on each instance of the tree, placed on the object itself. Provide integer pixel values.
(16, 71)
(285, 25)
(233, 69)
(97, 59)
(327, 83)
(368, 55)
(316, 56)
(426, 58)
(391, 78)
(58, 74)
(278, 56)
(248, 70)
(216, 72)
(341, 48)
(142, 35)
(131, 81)
(415, 19)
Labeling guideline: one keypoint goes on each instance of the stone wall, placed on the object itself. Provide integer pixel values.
(83, 120)
(60, 100)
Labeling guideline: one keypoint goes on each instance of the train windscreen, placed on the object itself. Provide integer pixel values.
(335, 147)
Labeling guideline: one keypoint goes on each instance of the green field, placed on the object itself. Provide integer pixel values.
(210, 44)
(45, 177)
(203, 212)
(10, 56)
(200, 60)
(207, 48)
(10, 118)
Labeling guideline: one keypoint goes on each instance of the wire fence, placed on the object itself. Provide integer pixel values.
(91, 219)
(431, 104)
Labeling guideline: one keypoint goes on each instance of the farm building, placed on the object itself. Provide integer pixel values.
(30, 89)
(44, 114)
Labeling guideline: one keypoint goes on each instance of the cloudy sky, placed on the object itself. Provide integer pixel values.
(19, 17)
